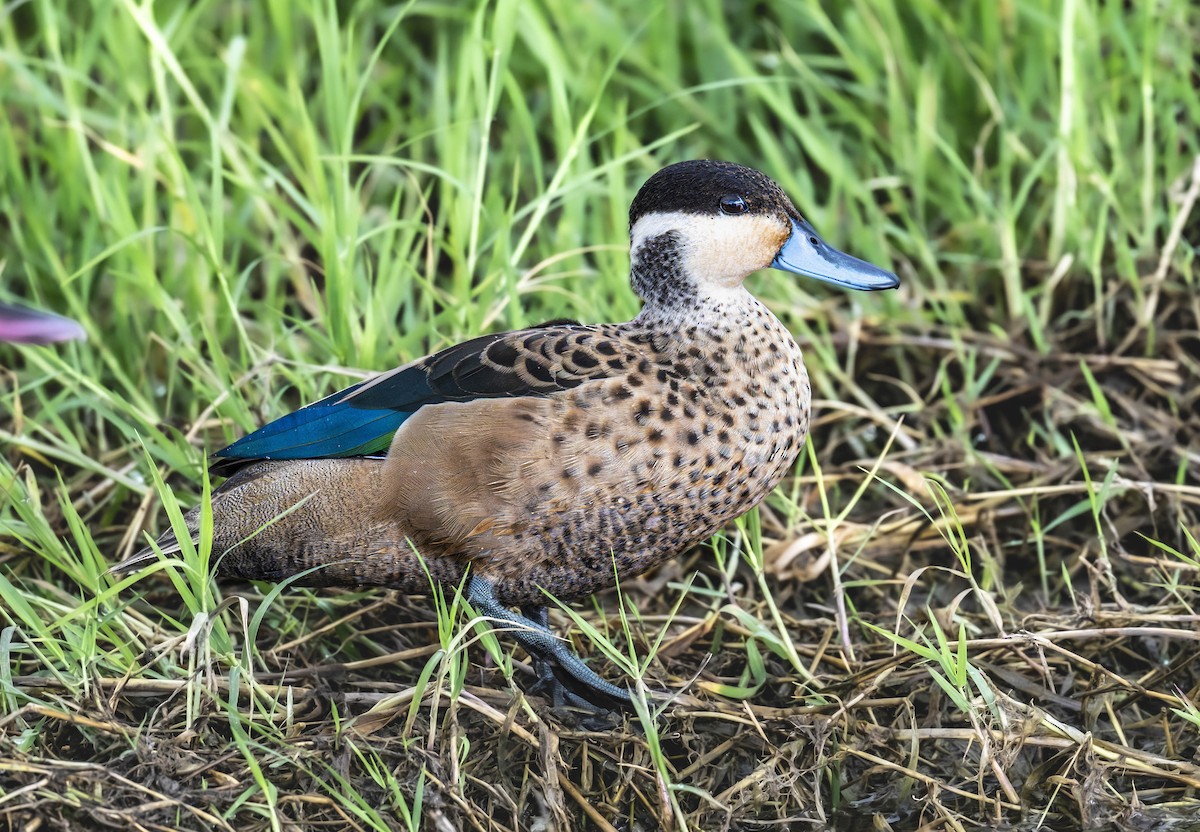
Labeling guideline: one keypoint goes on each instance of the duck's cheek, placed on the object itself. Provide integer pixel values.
(722, 251)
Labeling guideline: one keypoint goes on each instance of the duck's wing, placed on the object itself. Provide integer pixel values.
(361, 420)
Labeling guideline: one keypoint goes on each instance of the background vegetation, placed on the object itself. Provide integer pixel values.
(975, 601)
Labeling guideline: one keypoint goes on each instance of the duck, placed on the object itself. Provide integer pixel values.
(551, 462)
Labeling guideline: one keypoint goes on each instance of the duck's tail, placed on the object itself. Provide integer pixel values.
(168, 544)
(277, 519)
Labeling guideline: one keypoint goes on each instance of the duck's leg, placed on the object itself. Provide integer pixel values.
(547, 683)
(547, 651)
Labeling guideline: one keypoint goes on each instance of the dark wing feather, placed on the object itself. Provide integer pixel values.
(361, 420)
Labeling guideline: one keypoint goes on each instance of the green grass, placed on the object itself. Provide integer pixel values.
(250, 205)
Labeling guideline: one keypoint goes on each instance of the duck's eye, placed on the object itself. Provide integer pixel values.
(733, 204)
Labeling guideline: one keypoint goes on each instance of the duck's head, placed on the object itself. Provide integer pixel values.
(714, 223)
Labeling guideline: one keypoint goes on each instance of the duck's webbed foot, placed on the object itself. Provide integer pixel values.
(561, 673)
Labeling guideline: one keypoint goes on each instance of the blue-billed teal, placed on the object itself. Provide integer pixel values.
(552, 459)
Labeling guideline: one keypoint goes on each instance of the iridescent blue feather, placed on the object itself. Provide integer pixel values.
(341, 425)
(362, 420)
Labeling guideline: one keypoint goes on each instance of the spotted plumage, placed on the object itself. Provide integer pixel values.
(542, 459)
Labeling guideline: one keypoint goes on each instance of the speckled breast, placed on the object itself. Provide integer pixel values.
(663, 458)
